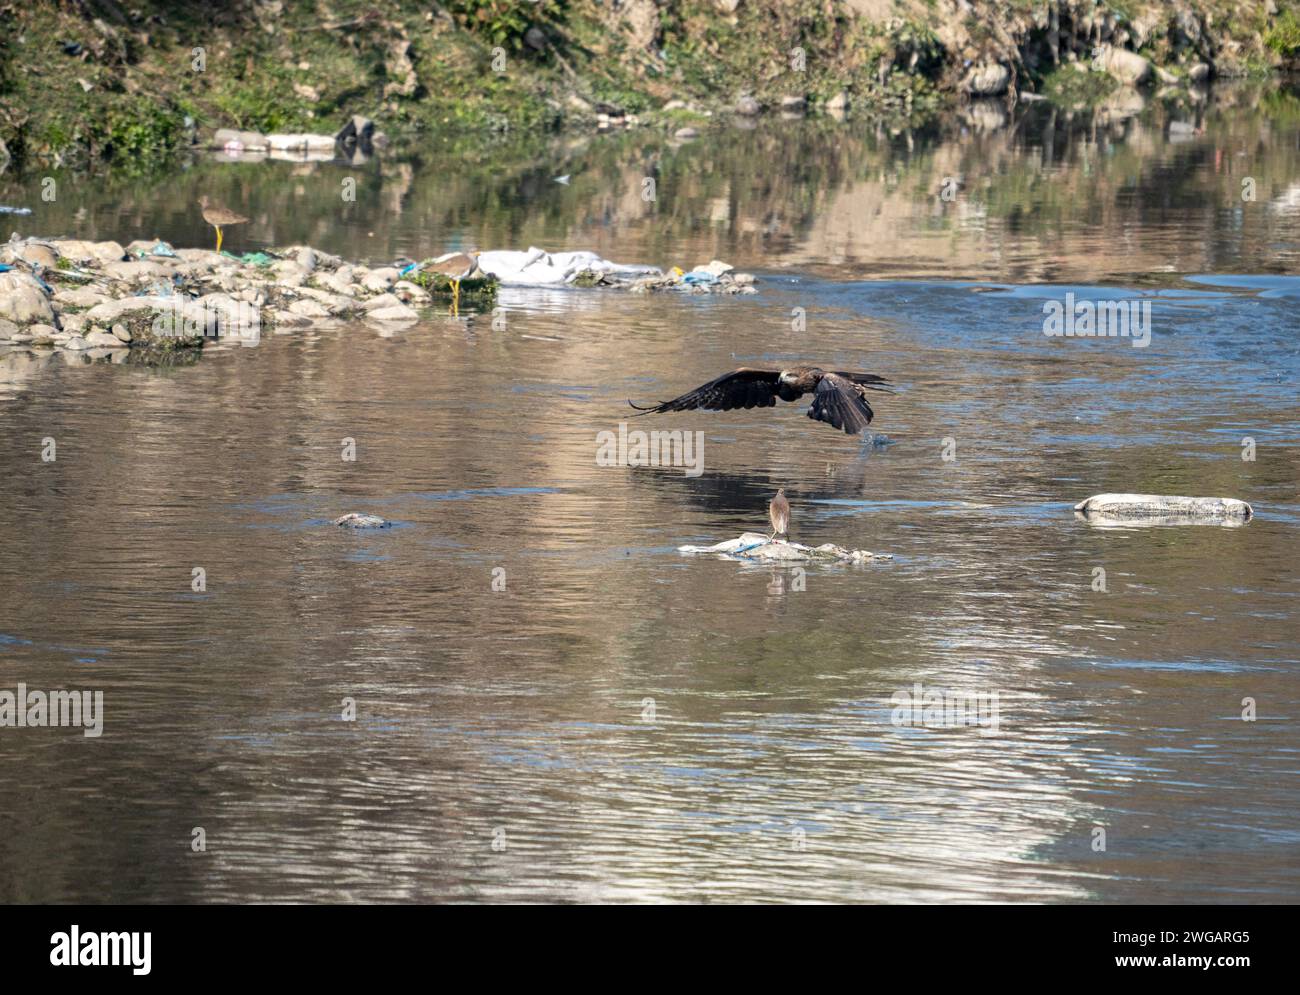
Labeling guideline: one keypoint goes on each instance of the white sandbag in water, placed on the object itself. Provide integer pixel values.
(1163, 509)
(755, 546)
(539, 268)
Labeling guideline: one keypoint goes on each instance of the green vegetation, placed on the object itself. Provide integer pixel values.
(1284, 36)
(130, 85)
(479, 293)
(1071, 87)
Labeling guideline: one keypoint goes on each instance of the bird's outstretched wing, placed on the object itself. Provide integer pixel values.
(743, 388)
(840, 402)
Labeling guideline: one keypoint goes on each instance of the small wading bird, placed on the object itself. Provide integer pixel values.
(217, 216)
(839, 398)
(778, 509)
(455, 266)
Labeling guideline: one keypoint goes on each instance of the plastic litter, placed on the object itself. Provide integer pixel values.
(6, 209)
(1163, 509)
(354, 520)
(539, 268)
(698, 277)
(755, 546)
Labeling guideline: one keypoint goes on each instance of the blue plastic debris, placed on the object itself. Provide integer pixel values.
(6, 209)
(412, 268)
(699, 276)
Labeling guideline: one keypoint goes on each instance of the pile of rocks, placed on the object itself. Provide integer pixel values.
(80, 296)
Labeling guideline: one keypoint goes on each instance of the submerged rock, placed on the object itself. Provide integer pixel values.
(1163, 509)
(355, 520)
(756, 546)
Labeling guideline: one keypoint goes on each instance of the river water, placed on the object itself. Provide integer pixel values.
(623, 722)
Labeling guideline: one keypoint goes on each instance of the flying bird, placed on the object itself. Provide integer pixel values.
(839, 398)
(778, 509)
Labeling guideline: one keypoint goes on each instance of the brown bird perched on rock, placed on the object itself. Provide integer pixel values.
(217, 216)
(839, 398)
(455, 266)
(778, 509)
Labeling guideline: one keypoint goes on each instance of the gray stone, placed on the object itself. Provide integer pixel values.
(80, 296)
(380, 279)
(229, 138)
(382, 301)
(103, 340)
(82, 252)
(987, 79)
(309, 308)
(136, 270)
(1129, 68)
(23, 302)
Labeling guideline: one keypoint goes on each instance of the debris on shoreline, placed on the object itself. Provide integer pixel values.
(356, 141)
(539, 268)
(1162, 509)
(756, 546)
(103, 298)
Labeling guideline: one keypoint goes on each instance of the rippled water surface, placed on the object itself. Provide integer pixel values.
(625, 722)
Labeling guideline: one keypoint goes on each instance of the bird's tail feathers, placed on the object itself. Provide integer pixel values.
(871, 381)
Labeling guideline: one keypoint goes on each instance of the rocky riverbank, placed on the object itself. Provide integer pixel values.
(147, 298)
(90, 82)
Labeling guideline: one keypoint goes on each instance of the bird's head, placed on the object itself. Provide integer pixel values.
(786, 377)
(203, 201)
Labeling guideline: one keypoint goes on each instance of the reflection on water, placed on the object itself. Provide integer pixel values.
(1039, 194)
(623, 722)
